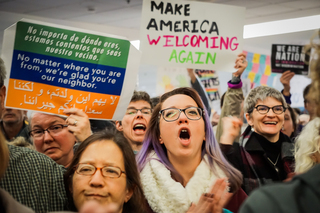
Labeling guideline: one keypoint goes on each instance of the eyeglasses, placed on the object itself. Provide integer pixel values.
(144, 111)
(262, 109)
(172, 114)
(106, 171)
(54, 129)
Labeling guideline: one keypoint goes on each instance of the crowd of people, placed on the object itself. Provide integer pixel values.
(164, 156)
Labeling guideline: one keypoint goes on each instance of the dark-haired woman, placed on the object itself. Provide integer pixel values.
(104, 169)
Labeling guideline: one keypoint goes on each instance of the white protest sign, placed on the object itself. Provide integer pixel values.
(191, 34)
(52, 67)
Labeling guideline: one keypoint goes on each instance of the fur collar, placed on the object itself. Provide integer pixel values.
(166, 195)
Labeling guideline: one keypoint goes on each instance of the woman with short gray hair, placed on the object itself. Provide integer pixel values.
(262, 93)
(264, 154)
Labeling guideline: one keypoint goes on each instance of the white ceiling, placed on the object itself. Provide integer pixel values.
(107, 15)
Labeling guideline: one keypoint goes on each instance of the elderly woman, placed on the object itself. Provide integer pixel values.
(55, 136)
(180, 159)
(104, 169)
(307, 147)
(264, 154)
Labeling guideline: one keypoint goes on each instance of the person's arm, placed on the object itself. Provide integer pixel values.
(285, 80)
(234, 95)
(230, 149)
(197, 85)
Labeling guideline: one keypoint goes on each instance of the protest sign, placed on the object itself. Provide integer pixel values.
(52, 67)
(289, 57)
(191, 34)
(211, 83)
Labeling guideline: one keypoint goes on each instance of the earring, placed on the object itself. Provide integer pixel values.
(252, 129)
(160, 140)
(282, 128)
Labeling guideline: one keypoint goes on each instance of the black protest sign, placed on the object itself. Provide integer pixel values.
(289, 57)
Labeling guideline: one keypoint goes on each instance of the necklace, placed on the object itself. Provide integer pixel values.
(274, 164)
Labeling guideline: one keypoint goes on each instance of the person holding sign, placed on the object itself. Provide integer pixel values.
(232, 100)
(32, 178)
(55, 136)
(180, 159)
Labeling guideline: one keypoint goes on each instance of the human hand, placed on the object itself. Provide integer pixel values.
(231, 129)
(192, 75)
(204, 205)
(215, 119)
(240, 64)
(78, 123)
(285, 80)
(214, 201)
(221, 195)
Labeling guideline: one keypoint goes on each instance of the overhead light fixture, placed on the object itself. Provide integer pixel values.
(281, 27)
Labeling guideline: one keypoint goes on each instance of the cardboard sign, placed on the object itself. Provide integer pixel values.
(211, 83)
(191, 34)
(289, 57)
(52, 67)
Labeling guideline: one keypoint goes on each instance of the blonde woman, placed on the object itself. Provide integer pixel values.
(307, 147)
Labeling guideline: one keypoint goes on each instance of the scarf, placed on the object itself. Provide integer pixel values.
(253, 171)
(167, 195)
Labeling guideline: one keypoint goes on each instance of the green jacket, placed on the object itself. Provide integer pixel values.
(233, 99)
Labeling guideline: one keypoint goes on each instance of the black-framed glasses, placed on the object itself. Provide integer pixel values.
(263, 109)
(54, 129)
(172, 114)
(134, 111)
(106, 171)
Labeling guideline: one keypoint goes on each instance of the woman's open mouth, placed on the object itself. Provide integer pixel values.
(184, 136)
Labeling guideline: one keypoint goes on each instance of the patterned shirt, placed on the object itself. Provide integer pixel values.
(34, 180)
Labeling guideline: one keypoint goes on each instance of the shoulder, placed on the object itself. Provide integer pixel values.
(34, 180)
(286, 197)
(21, 157)
(287, 146)
(17, 152)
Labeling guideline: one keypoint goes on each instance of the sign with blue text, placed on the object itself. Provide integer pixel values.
(52, 67)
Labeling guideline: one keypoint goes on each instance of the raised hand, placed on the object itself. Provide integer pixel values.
(231, 129)
(285, 80)
(240, 64)
(78, 123)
